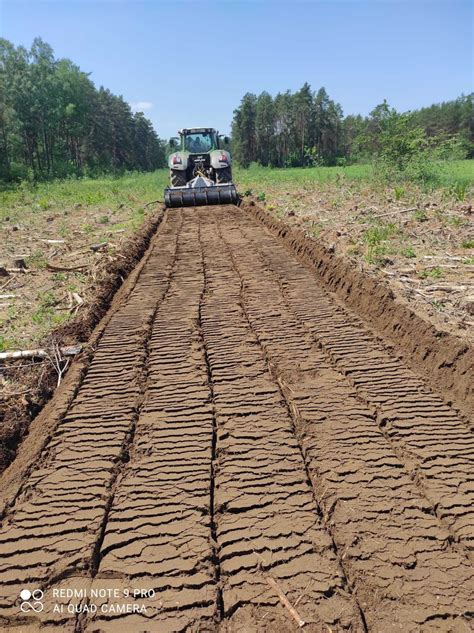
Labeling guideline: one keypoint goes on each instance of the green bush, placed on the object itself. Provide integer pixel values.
(405, 152)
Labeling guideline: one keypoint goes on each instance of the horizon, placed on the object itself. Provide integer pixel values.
(388, 48)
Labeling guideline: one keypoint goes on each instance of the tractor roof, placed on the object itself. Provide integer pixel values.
(192, 130)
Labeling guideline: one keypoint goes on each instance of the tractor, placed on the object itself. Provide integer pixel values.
(200, 170)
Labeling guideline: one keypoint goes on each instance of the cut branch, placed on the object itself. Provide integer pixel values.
(56, 268)
(70, 350)
(285, 602)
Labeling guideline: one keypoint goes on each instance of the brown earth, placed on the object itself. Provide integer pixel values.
(239, 435)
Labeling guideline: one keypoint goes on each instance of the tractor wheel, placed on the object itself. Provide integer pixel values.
(178, 178)
(223, 176)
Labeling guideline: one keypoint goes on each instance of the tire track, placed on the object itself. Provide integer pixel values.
(159, 532)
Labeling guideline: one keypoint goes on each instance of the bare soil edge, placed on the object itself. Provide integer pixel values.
(443, 360)
(35, 432)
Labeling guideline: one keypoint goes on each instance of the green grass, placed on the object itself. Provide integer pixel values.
(256, 178)
(433, 273)
(408, 252)
(376, 238)
(44, 198)
(456, 175)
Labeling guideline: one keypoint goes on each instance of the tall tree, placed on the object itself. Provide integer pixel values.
(54, 122)
(265, 128)
(304, 120)
(244, 130)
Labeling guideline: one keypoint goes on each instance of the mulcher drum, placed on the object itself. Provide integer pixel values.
(200, 196)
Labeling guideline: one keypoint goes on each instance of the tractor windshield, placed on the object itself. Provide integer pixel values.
(199, 142)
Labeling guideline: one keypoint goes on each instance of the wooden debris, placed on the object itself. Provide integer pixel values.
(69, 350)
(285, 602)
(397, 212)
(18, 270)
(57, 268)
(7, 283)
(98, 247)
(445, 288)
(452, 257)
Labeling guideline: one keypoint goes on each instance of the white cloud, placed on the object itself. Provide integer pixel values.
(141, 106)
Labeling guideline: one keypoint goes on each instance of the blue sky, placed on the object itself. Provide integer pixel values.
(190, 62)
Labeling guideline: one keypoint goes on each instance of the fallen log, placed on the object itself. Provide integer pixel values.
(69, 350)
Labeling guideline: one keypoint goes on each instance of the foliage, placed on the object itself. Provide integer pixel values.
(376, 238)
(290, 130)
(448, 128)
(307, 128)
(55, 123)
(433, 273)
(459, 191)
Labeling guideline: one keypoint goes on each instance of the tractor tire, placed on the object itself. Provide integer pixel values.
(223, 176)
(178, 178)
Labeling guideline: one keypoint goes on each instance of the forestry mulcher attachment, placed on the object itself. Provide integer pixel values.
(200, 170)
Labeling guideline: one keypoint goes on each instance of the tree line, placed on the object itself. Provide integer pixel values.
(309, 128)
(54, 122)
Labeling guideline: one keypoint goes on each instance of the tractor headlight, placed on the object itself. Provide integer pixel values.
(177, 160)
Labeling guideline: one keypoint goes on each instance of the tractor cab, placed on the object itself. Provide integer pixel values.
(199, 141)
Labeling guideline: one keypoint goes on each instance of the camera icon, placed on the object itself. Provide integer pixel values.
(31, 600)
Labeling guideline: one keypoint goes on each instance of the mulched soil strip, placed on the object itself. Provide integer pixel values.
(444, 360)
(243, 446)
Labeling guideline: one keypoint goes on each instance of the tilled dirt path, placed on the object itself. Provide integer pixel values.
(239, 433)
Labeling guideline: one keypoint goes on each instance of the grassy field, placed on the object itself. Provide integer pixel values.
(298, 176)
(419, 238)
(449, 173)
(59, 222)
(139, 188)
(132, 189)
